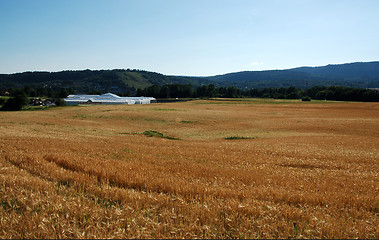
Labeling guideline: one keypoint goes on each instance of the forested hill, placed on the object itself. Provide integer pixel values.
(360, 74)
(121, 81)
(348, 70)
(86, 81)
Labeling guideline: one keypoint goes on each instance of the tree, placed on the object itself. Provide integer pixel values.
(50, 93)
(231, 92)
(41, 91)
(202, 91)
(62, 93)
(211, 90)
(16, 103)
(60, 102)
(293, 93)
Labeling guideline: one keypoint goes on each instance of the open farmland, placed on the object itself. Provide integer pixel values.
(200, 169)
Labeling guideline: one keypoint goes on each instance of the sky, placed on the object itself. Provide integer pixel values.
(185, 37)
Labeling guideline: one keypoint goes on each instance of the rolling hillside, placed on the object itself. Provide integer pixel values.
(117, 81)
(361, 75)
(348, 70)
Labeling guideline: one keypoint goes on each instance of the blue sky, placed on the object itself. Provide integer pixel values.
(185, 37)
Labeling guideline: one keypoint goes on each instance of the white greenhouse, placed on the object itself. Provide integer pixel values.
(107, 98)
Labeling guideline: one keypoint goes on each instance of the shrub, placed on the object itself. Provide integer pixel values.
(306, 99)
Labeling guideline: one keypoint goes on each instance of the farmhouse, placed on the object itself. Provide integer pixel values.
(107, 98)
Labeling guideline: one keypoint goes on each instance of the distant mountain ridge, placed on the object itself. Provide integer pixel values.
(356, 69)
(358, 74)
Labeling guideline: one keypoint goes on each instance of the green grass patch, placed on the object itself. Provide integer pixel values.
(130, 133)
(80, 116)
(36, 108)
(238, 138)
(185, 121)
(154, 120)
(164, 109)
(152, 133)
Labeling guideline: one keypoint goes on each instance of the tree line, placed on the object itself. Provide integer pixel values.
(337, 93)
(19, 96)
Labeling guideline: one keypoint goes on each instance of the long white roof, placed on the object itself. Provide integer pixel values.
(108, 98)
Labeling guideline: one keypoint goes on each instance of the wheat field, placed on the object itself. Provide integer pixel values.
(201, 169)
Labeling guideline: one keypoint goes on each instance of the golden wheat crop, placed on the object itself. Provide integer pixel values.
(213, 169)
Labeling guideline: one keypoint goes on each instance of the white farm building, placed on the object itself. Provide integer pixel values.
(107, 98)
